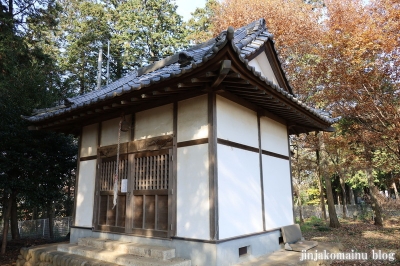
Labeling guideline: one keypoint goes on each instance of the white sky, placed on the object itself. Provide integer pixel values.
(185, 7)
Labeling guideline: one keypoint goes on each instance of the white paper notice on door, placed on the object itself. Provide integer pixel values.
(124, 185)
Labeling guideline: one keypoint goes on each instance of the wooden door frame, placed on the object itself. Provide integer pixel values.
(131, 149)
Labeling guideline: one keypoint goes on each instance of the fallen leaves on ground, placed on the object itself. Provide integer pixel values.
(363, 237)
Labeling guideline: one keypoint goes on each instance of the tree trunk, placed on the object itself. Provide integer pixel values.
(14, 217)
(396, 194)
(6, 219)
(333, 220)
(320, 186)
(50, 215)
(300, 209)
(344, 200)
(375, 205)
(352, 200)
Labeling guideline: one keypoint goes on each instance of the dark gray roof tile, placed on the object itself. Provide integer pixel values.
(246, 41)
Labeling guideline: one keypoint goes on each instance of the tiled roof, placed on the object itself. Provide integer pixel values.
(246, 41)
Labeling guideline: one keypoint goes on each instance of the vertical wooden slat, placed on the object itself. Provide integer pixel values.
(156, 212)
(158, 172)
(150, 173)
(147, 172)
(166, 171)
(144, 211)
(138, 174)
(141, 174)
(117, 212)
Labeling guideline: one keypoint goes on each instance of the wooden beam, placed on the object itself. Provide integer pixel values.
(184, 85)
(170, 89)
(253, 90)
(223, 71)
(236, 82)
(200, 80)
(210, 74)
(233, 75)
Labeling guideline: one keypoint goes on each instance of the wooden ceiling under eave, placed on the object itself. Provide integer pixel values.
(224, 74)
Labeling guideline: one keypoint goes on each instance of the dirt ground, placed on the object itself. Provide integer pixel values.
(361, 237)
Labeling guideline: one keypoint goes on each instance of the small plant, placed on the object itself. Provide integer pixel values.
(323, 228)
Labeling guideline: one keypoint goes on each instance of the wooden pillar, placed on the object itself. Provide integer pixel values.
(213, 166)
(261, 169)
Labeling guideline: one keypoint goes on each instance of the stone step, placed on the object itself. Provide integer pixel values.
(47, 255)
(120, 257)
(158, 252)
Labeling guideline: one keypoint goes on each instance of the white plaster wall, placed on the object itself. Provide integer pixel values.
(89, 140)
(239, 192)
(193, 216)
(192, 119)
(154, 122)
(262, 65)
(277, 192)
(236, 123)
(274, 136)
(109, 131)
(85, 196)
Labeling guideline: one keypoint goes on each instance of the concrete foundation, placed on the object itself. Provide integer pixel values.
(221, 253)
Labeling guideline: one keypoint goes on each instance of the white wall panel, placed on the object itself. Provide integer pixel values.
(236, 123)
(192, 119)
(262, 65)
(109, 131)
(89, 140)
(154, 122)
(274, 136)
(85, 196)
(239, 192)
(277, 192)
(193, 215)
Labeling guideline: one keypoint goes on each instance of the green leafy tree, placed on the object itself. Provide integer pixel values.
(201, 26)
(150, 30)
(26, 82)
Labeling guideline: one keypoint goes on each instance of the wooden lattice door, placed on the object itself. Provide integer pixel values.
(111, 218)
(150, 193)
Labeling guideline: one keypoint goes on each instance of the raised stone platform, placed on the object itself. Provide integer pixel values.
(100, 252)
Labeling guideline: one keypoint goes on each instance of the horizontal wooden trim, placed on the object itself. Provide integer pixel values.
(111, 192)
(109, 228)
(149, 233)
(276, 155)
(88, 158)
(151, 153)
(151, 144)
(81, 227)
(114, 158)
(142, 145)
(151, 192)
(249, 148)
(225, 239)
(192, 142)
(237, 145)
